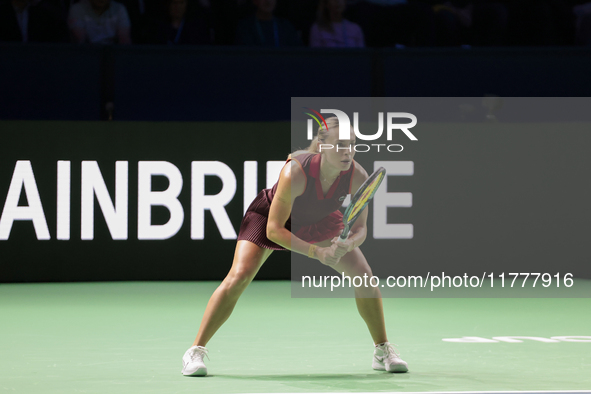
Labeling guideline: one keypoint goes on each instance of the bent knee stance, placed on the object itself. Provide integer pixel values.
(367, 292)
(238, 280)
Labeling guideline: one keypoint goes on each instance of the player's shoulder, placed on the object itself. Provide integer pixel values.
(296, 162)
(297, 153)
(293, 170)
(293, 177)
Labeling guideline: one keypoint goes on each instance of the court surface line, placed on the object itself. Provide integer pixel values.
(451, 392)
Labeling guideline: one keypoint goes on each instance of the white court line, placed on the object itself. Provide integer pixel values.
(449, 392)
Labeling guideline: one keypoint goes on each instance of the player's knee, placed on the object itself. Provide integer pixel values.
(367, 292)
(239, 278)
(361, 272)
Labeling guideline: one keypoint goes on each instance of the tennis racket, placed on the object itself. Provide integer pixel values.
(360, 200)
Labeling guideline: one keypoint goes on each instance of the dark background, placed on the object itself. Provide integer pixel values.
(242, 91)
(145, 83)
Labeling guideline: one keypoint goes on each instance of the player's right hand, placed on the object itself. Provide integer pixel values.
(328, 255)
(343, 247)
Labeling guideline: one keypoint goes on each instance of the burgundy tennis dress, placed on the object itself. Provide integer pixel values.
(314, 217)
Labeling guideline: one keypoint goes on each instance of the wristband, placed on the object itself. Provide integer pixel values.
(311, 251)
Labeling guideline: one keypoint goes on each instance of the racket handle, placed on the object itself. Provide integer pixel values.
(344, 235)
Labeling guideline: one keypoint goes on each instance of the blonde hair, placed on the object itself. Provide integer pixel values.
(322, 134)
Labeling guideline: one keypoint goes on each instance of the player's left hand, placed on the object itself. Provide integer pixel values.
(343, 247)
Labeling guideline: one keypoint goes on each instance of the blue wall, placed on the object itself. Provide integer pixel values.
(66, 82)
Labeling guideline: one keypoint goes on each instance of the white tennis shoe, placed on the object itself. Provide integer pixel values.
(387, 358)
(193, 364)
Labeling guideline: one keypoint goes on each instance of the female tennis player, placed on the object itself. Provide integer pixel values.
(301, 213)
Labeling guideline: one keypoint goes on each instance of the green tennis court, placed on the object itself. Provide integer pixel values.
(129, 337)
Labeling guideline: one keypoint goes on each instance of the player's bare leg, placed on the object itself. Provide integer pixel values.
(370, 307)
(368, 299)
(248, 259)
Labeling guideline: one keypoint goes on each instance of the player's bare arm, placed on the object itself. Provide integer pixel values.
(292, 184)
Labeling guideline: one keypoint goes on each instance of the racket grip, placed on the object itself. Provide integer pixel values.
(344, 235)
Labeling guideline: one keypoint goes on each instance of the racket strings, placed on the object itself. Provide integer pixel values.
(367, 194)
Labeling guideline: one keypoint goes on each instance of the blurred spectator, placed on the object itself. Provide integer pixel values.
(452, 21)
(332, 30)
(301, 13)
(264, 29)
(388, 23)
(226, 15)
(477, 22)
(145, 14)
(540, 22)
(142, 15)
(28, 21)
(181, 27)
(99, 22)
(490, 21)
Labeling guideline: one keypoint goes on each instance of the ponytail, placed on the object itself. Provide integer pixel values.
(313, 148)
